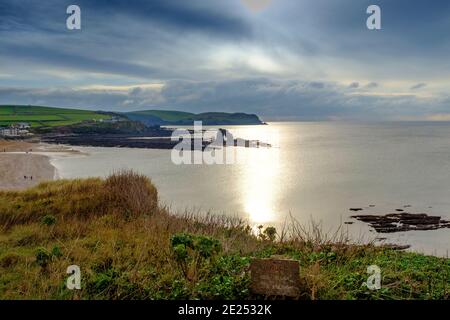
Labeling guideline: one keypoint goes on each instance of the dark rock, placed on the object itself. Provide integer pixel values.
(404, 221)
(421, 221)
(367, 218)
(396, 246)
(426, 227)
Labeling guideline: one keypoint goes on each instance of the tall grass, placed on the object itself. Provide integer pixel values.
(119, 235)
(123, 193)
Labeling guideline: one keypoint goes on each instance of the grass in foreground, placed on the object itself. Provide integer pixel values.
(130, 247)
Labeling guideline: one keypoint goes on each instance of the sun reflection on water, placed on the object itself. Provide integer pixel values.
(260, 184)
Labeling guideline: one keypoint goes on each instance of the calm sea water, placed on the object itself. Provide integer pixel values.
(315, 171)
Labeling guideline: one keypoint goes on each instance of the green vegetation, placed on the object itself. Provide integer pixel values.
(159, 117)
(47, 118)
(166, 115)
(38, 116)
(130, 247)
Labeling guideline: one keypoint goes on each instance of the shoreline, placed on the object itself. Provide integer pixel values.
(54, 156)
(24, 165)
(22, 171)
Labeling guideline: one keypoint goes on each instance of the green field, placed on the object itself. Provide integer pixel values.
(38, 116)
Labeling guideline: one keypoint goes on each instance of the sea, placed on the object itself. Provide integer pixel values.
(312, 173)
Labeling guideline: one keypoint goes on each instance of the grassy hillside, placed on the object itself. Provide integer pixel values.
(128, 246)
(159, 117)
(38, 116)
(166, 115)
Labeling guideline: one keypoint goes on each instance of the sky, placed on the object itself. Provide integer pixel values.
(281, 59)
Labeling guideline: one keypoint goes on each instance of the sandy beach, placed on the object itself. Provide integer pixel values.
(24, 164)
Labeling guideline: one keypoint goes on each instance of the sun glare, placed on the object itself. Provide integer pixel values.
(260, 185)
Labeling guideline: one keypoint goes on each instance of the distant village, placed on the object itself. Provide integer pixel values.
(20, 129)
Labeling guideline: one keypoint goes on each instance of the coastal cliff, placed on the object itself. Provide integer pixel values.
(174, 118)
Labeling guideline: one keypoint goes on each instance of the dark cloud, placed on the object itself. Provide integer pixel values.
(418, 86)
(286, 60)
(214, 18)
(182, 16)
(47, 56)
(272, 99)
(317, 85)
(371, 85)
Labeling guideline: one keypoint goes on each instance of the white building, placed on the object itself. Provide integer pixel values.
(113, 119)
(15, 131)
(9, 132)
(23, 125)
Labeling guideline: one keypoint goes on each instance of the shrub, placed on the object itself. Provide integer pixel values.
(124, 193)
(48, 220)
(227, 279)
(56, 252)
(43, 257)
(103, 281)
(129, 193)
(207, 246)
(269, 233)
(192, 252)
(185, 240)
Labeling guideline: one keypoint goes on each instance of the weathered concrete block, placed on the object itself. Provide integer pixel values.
(275, 277)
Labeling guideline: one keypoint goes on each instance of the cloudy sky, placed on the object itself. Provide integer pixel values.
(281, 59)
